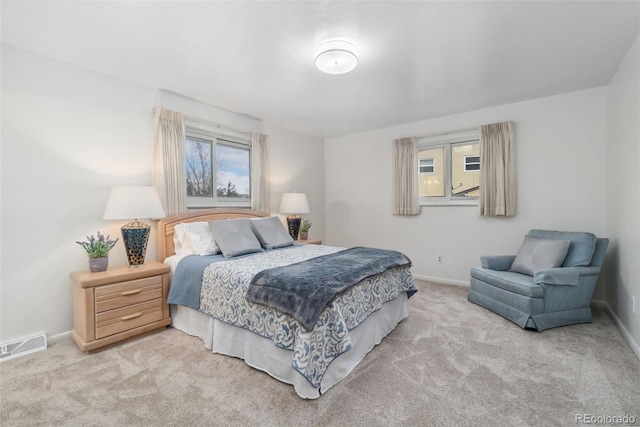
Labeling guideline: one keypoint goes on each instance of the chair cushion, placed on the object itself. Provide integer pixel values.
(539, 254)
(581, 249)
(509, 281)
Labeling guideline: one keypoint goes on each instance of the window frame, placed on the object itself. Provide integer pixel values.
(233, 139)
(447, 141)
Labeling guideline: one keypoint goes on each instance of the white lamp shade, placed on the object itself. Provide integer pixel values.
(336, 56)
(133, 203)
(294, 203)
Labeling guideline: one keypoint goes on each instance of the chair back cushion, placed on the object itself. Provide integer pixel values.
(580, 250)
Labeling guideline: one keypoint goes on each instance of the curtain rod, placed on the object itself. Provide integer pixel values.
(219, 125)
(448, 132)
(211, 123)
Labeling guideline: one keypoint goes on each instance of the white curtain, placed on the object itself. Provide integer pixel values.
(406, 197)
(260, 189)
(169, 160)
(497, 171)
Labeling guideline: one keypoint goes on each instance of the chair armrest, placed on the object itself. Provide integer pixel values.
(497, 262)
(564, 276)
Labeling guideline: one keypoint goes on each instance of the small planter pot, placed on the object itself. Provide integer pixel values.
(98, 264)
(303, 235)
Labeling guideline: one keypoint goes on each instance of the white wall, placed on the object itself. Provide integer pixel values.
(561, 159)
(297, 164)
(68, 136)
(623, 202)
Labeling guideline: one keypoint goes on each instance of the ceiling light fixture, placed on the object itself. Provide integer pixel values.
(336, 56)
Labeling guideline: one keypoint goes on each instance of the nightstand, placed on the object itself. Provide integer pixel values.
(120, 303)
(310, 242)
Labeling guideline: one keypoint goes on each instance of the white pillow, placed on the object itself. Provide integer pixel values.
(181, 242)
(195, 238)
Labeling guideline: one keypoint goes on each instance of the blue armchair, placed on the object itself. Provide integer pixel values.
(542, 297)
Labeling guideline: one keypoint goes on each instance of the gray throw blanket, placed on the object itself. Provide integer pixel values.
(304, 289)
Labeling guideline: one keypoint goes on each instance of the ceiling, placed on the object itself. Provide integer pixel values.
(418, 60)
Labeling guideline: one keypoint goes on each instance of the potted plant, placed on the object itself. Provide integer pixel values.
(304, 229)
(98, 251)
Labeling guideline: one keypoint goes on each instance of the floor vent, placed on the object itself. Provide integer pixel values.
(21, 347)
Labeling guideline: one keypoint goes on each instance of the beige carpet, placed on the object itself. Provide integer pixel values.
(450, 363)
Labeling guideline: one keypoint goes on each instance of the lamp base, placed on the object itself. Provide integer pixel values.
(135, 236)
(293, 222)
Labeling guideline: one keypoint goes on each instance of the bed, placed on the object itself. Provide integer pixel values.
(313, 357)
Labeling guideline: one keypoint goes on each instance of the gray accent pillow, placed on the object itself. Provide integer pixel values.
(538, 254)
(271, 233)
(234, 237)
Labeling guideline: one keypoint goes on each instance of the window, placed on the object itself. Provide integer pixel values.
(432, 183)
(217, 170)
(426, 165)
(449, 167)
(471, 163)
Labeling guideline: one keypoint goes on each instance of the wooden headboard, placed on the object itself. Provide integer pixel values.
(166, 225)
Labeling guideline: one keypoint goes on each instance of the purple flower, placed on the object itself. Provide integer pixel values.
(100, 247)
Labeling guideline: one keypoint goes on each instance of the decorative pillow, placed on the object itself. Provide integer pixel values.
(201, 238)
(235, 237)
(271, 233)
(583, 245)
(194, 238)
(537, 254)
(181, 241)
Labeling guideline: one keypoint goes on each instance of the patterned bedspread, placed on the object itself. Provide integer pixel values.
(223, 297)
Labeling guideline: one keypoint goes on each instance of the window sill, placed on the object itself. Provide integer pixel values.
(451, 203)
(218, 205)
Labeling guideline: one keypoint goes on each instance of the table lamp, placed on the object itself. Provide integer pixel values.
(134, 203)
(294, 203)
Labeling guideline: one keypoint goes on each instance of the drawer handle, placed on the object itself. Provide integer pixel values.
(132, 316)
(133, 292)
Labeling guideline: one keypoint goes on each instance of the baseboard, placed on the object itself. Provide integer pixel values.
(598, 303)
(627, 336)
(442, 280)
(54, 339)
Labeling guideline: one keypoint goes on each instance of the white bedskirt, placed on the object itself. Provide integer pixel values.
(262, 354)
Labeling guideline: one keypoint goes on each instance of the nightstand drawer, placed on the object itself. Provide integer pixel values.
(129, 317)
(126, 293)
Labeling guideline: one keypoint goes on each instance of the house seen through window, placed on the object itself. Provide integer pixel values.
(449, 168)
(217, 171)
(426, 165)
(471, 163)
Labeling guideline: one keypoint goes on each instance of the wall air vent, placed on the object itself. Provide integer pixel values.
(23, 346)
